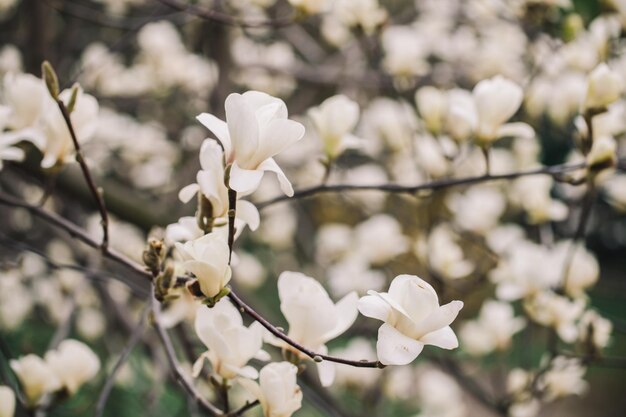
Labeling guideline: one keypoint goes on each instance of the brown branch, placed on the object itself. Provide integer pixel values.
(178, 371)
(247, 406)
(220, 17)
(232, 211)
(552, 171)
(94, 190)
(238, 302)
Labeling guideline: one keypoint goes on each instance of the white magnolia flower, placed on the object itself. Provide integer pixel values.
(334, 120)
(74, 363)
(351, 376)
(58, 142)
(379, 239)
(186, 228)
(277, 390)
(313, 317)
(615, 188)
(432, 105)
(583, 270)
(405, 53)
(603, 152)
(477, 209)
(207, 258)
(230, 344)
(210, 181)
(604, 87)
(495, 101)
(412, 318)
(594, 328)
(7, 401)
(563, 378)
(311, 6)
(439, 395)
(443, 254)
(8, 152)
(532, 194)
(36, 377)
(492, 330)
(341, 276)
(256, 129)
(558, 312)
(23, 95)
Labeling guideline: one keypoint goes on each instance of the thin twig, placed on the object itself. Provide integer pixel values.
(247, 406)
(238, 302)
(179, 373)
(427, 186)
(136, 335)
(232, 212)
(95, 191)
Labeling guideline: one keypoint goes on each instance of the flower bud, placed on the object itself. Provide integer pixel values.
(7, 402)
(604, 87)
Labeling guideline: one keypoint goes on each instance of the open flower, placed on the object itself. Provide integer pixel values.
(207, 258)
(255, 130)
(313, 317)
(277, 390)
(74, 363)
(333, 120)
(36, 377)
(210, 181)
(413, 318)
(231, 344)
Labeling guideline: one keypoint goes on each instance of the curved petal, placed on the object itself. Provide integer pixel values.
(219, 129)
(188, 192)
(394, 348)
(244, 181)
(374, 307)
(516, 130)
(443, 338)
(248, 212)
(326, 372)
(278, 135)
(271, 165)
(347, 312)
(243, 127)
(439, 318)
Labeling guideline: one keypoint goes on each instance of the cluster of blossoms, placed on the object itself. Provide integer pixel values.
(438, 127)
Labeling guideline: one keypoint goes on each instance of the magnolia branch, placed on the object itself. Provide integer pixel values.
(93, 189)
(553, 171)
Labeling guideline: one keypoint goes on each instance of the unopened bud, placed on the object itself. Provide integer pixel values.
(51, 79)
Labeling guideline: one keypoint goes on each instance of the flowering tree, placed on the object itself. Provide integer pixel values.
(343, 208)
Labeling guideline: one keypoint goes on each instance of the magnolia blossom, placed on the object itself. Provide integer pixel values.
(495, 101)
(8, 152)
(412, 318)
(256, 129)
(58, 142)
(432, 105)
(603, 152)
(442, 253)
(231, 344)
(351, 376)
(23, 98)
(560, 313)
(583, 270)
(492, 330)
(604, 87)
(439, 395)
(210, 181)
(477, 209)
(207, 258)
(313, 317)
(334, 119)
(7, 401)
(311, 6)
(277, 390)
(532, 194)
(36, 377)
(563, 378)
(74, 363)
(594, 329)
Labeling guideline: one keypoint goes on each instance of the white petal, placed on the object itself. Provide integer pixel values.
(326, 372)
(346, 311)
(277, 136)
(443, 338)
(394, 348)
(244, 181)
(374, 307)
(248, 212)
(188, 192)
(285, 185)
(219, 129)
(243, 128)
(516, 130)
(440, 318)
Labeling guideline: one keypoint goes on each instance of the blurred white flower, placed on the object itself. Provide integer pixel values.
(207, 258)
(379, 239)
(439, 395)
(492, 330)
(314, 319)
(405, 55)
(594, 329)
(256, 129)
(341, 276)
(350, 376)
(74, 363)
(478, 209)
(615, 189)
(249, 271)
(564, 377)
(36, 377)
(7, 401)
(311, 6)
(443, 254)
(432, 105)
(604, 87)
(277, 390)
(334, 120)
(333, 241)
(583, 270)
(230, 344)
(364, 14)
(555, 311)
(603, 152)
(412, 318)
(533, 195)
